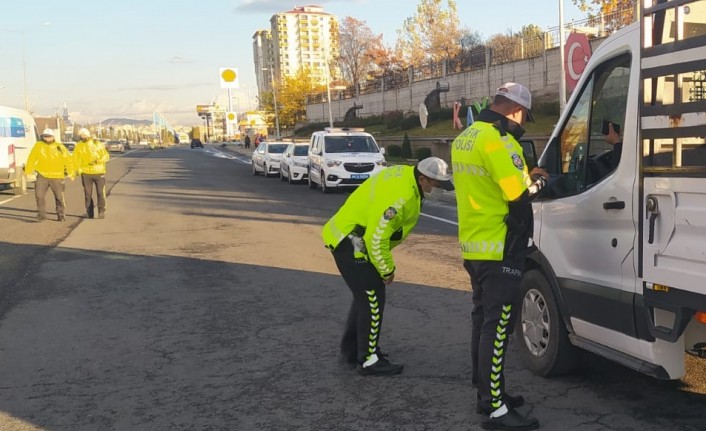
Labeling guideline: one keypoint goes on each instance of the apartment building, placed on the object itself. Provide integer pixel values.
(305, 36)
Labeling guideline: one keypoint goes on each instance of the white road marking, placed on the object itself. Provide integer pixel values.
(11, 199)
(439, 219)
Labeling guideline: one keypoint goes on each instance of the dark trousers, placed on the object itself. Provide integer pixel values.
(362, 331)
(40, 191)
(89, 180)
(496, 303)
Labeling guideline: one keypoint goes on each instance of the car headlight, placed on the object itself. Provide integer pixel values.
(381, 163)
(300, 164)
(333, 163)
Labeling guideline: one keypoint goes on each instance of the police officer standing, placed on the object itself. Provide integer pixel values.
(494, 192)
(375, 218)
(52, 162)
(90, 157)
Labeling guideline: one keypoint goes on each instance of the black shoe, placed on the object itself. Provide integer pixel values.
(511, 420)
(60, 217)
(383, 367)
(511, 401)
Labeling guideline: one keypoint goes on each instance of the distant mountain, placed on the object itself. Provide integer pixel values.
(124, 122)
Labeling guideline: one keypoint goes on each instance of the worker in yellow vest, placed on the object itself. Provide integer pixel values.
(375, 218)
(90, 157)
(493, 194)
(52, 163)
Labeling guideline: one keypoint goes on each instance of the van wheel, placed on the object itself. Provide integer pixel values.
(324, 189)
(254, 170)
(21, 183)
(543, 339)
(266, 172)
(312, 185)
(281, 175)
(289, 178)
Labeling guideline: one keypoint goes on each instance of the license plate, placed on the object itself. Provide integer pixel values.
(359, 176)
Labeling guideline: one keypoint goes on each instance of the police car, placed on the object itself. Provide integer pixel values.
(342, 157)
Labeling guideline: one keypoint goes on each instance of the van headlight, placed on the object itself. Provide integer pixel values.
(333, 163)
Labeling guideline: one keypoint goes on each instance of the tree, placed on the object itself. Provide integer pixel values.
(292, 93)
(433, 34)
(617, 13)
(358, 47)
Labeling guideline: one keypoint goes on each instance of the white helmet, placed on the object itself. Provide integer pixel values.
(48, 132)
(84, 133)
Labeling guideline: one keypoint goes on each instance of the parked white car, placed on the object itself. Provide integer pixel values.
(294, 165)
(343, 157)
(18, 133)
(266, 158)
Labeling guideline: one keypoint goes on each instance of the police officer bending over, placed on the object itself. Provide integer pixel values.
(493, 191)
(375, 218)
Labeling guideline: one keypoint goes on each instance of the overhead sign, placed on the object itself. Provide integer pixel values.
(577, 51)
(229, 77)
(204, 109)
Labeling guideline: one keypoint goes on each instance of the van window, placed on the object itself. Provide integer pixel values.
(350, 144)
(300, 150)
(581, 157)
(276, 148)
(12, 127)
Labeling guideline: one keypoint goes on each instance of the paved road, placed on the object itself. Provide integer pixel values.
(205, 301)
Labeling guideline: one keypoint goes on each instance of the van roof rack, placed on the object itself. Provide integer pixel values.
(343, 129)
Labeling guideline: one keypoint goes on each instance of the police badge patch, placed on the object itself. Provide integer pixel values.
(390, 213)
(517, 161)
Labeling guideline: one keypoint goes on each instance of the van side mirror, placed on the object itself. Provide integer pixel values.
(530, 154)
(382, 150)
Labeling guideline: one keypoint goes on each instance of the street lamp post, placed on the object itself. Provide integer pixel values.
(24, 62)
(274, 97)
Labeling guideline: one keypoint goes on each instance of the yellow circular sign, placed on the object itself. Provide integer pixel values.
(231, 116)
(229, 75)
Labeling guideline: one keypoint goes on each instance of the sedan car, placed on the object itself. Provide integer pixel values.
(294, 165)
(115, 146)
(267, 156)
(196, 143)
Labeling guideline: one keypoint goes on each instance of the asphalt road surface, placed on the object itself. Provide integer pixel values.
(206, 301)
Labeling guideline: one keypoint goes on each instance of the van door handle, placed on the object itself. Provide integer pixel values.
(614, 205)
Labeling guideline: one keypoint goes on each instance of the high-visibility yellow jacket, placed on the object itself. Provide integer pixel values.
(90, 157)
(383, 210)
(51, 160)
(489, 171)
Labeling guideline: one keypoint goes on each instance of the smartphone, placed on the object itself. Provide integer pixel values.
(616, 127)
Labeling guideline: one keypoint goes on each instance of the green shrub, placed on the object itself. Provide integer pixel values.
(393, 150)
(406, 147)
(410, 123)
(422, 153)
(393, 119)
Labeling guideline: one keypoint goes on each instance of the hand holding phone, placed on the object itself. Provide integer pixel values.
(606, 129)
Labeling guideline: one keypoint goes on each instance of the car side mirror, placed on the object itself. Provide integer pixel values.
(382, 150)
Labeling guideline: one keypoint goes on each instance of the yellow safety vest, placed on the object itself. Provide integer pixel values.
(384, 209)
(90, 157)
(489, 170)
(50, 160)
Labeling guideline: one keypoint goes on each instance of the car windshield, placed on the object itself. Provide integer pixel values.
(276, 148)
(350, 144)
(301, 150)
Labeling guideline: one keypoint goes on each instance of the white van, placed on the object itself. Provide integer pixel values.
(621, 266)
(342, 157)
(18, 133)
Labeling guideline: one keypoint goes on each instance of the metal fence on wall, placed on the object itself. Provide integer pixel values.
(501, 50)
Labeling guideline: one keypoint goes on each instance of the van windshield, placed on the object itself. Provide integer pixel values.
(301, 150)
(351, 144)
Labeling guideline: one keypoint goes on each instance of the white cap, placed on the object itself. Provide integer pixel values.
(519, 94)
(84, 133)
(436, 169)
(48, 132)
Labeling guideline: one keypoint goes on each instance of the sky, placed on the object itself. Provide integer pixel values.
(130, 58)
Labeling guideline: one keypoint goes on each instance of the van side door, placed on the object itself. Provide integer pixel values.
(587, 222)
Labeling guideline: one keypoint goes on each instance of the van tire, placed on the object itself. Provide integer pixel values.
(312, 184)
(20, 187)
(542, 337)
(254, 170)
(324, 189)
